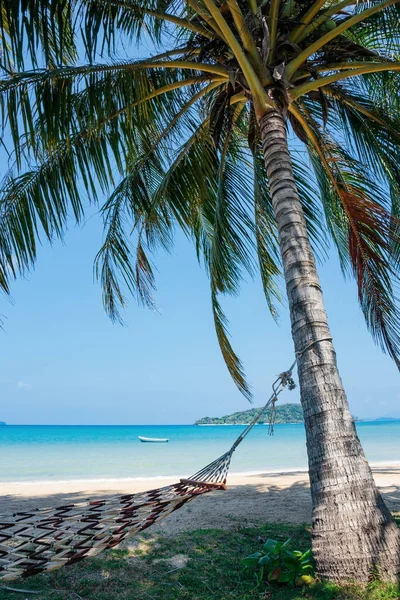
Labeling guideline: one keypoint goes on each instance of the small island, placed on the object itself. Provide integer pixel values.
(2, 423)
(285, 413)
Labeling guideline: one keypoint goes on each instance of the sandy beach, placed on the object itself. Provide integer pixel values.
(250, 498)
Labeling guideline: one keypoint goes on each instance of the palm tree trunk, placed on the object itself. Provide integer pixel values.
(354, 535)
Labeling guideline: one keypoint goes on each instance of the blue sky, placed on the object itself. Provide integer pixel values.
(63, 361)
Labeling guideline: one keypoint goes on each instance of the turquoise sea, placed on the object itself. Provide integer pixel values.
(51, 452)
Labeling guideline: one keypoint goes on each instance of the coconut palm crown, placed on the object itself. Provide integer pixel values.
(174, 139)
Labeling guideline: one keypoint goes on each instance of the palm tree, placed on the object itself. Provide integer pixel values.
(196, 136)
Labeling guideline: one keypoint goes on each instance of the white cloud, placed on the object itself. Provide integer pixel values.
(21, 385)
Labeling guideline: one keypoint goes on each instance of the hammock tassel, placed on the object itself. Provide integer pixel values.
(272, 416)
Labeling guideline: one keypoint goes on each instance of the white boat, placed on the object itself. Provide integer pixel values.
(153, 440)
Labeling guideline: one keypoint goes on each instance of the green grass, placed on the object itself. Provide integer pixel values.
(212, 572)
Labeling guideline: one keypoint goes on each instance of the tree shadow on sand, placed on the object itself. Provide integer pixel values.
(195, 553)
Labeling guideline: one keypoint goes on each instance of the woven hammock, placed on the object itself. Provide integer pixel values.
(48, 538)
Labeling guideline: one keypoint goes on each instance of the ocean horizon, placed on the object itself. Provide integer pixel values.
(35, 453)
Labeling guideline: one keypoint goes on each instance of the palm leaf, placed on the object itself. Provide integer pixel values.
(363, 230)
(32, 27)
(54, 104)
(371, 136)
(231, 359)
(224, 255)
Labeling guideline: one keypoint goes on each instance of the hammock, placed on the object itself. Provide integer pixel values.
(48, 538)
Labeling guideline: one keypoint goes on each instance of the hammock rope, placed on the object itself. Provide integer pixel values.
(46, 539)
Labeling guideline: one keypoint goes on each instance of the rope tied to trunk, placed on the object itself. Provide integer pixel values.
(283, 380)
(277, 387)
(310, 345)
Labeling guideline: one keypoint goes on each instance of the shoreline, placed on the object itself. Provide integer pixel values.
(244, 424)
(170, 478)
(301, 470)
(251, 499)
(367, 420)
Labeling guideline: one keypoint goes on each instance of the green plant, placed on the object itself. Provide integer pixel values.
(275, 562)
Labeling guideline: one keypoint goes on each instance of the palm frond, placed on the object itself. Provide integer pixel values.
(232, 361)
(41, 200)
(379, 33)
(363, 231)
(103, 21)
(138, 201)
(118, 264)
(49, 106)
(53, 29)
(33, 203)
(218, 220)
(372, 136)
(371, 86)
(369, 133)
(226, 250)
(115, 259)
(36, 29)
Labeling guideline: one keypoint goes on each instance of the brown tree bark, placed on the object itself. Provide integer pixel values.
(354, 535)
